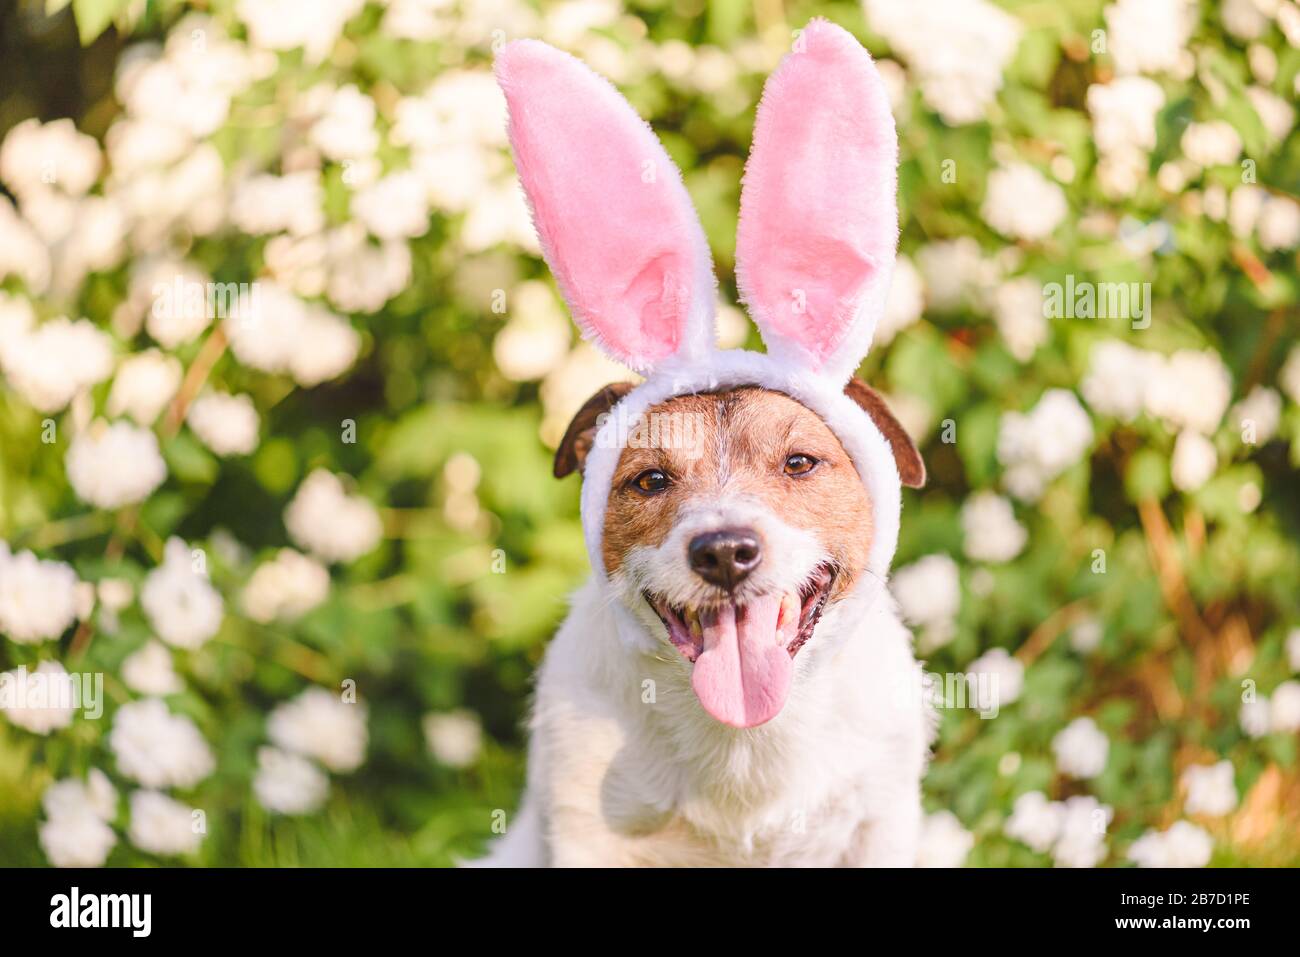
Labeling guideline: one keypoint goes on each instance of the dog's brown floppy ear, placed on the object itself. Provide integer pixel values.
(581, 433)
(911, 469)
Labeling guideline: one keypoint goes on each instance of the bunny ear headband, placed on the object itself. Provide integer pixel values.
(814, 251)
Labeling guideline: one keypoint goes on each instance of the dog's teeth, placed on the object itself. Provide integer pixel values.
(789, 609)
(693, 622)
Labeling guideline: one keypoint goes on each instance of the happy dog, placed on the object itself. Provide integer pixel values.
(723, 691)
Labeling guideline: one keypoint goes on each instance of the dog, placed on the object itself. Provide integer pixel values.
(733, 685)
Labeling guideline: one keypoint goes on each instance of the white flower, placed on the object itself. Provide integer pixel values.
(144, 384)
(1260, 413)
(1210, 788)
(905, 304)
(1117, 378)
(953, 270)
(1124, 129)
(330, 348)
(536, 339)
(40, 699)
(56, 360)
(162, 825)
(1120, 173)
(991, 532)
(189, 86)
(1288, 376)
(264, 203)
(137, 144)
(1211, 144)
(1082, 841)
(956, 48)
(1081, 749)
(1018, 311)
(418, 20)
(1262, 60)
(1194, 461)
(371, 275)
(114, 594)
(1244, 19)
(1086, 636)
(1254, 717)
(1293, 649)
(313, 25)
(329, 523)
(318, 724)
(1190, 390)
(16, 320)
(1183, 845)
(150, 671)
(22, 251)
(37, 597)
(995, 679)
(281, 333)
(285, 588)
(157, 748)
(396, 207)
(1279, 223)
(1124, 114)
(1035, 821)
(76, 840)
(1040, 445)
(287, 783)
(1277, 115)
(95, 795)
(76, 833)
(460, 106)
(455, 738)
(1284, 708)
(356, 274)
(1288, 19)
(40, 156)
(96, 244)
(346, 130)
(571, 383)
(1023, 203)
(1149, 36)
(1244, 206)
(944, 842)
(928, 591)
(227, 424)
(114, 465)
(167, 292)
(179, 601)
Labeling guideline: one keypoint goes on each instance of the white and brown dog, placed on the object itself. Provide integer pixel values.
(726, 687)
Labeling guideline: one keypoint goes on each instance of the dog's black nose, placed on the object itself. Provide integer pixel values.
(726, 557)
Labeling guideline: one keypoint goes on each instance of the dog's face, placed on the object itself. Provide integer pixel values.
(734, 520)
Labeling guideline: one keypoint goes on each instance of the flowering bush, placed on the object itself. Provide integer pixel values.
(282, 371)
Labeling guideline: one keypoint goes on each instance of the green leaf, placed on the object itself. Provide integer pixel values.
(1147, 476)
(188, 460)
(94, 16)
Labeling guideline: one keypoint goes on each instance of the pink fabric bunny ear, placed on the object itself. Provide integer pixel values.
(615, 221)
(818, 214)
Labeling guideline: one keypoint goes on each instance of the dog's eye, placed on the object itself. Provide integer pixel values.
(799, 464)
(650, 482)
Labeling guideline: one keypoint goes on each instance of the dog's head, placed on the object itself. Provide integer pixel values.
(734, 520)
(734, 496)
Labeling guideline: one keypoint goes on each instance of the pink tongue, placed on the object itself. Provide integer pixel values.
(742, 676)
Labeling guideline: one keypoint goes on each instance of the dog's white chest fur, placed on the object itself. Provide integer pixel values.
(626, 769)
